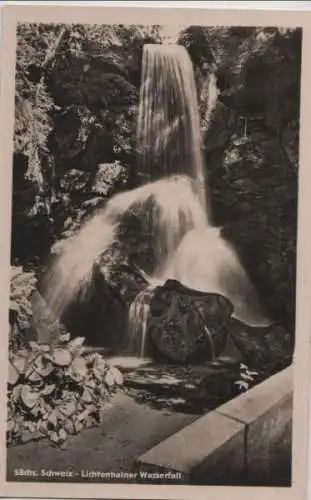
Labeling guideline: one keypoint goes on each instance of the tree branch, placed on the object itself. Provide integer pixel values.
(52, 49)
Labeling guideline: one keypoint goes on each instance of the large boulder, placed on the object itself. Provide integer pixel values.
(100, 313)
(187, 326)
(100, 316)
(120, 274)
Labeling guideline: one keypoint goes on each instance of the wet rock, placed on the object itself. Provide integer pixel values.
(100, 316)
(221, 382)
(266, 348)
(187, 326)
(120, 274)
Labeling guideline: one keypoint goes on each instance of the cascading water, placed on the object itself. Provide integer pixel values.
(169, 141)
(174, 211)
(138, 318)
(169, 129)
(170, 162)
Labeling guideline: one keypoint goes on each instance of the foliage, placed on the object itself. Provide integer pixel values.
(196, 40)
(22, 286)
(33, 104)
(76, 103)
(57, 392)
(246, 379)
(77, 89)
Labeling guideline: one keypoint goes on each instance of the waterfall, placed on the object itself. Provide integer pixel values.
(138, 318)
(172, 210)
(169, 129)
(173, 193)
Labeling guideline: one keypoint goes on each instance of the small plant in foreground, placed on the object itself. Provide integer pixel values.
(21, 287)
(247, 378)
(57, 391)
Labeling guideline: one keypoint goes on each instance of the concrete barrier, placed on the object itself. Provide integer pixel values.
(245, 441)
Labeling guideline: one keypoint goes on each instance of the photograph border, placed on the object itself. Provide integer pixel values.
(11, 15)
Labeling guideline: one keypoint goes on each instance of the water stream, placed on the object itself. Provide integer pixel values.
(172, 176)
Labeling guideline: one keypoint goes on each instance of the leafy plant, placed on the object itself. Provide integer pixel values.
(56, 392)
(247, 378)
(22, 286)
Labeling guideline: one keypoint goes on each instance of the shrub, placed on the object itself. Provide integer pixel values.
(22, 286)
(56, 392)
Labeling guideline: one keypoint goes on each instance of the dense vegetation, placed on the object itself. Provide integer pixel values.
(77, 90)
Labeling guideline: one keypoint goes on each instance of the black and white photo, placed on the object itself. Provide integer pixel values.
(153, 253)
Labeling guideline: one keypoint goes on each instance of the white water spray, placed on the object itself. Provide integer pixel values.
(188, 248)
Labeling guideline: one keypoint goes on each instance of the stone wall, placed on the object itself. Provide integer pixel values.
(246, 441)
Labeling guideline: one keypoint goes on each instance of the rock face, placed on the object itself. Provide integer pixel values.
(187, 326)
(102, 314)
(102, 317)
(123, 277)
(252, 150)
(266, 348)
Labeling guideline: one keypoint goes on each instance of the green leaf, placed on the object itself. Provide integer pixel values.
(61, 357)
(16, 393)
(33, 375)
(17, 428)
(28, 396)
(19, 363)
(67, 408)
(31, 426)
(69, 426)
(35, 411)
(118, 377)
(90, 422)
(34, 346)
(48, 389)
(54, 437)
(31, 358)
(10, 425)
(44, 348)
(75, 346)
(103, 391)
(43, 427)
(77, 342)
(62, 435)
(13, 374)
(44, 368)
(26, 436)
(83, 415)
(242, 385)
(64, 338)
(110, 378)
(100, 363)
(87, 396)
(91, 384)
(246, 376)
(52, 418)
(97, 374)
(78, 426)
(90, 358)
(243, 366)
(79, 367)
